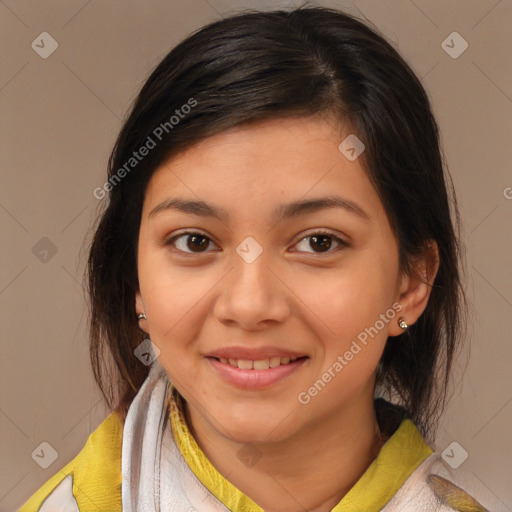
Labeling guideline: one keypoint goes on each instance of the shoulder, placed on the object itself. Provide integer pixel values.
(435, 486)
(92, 478)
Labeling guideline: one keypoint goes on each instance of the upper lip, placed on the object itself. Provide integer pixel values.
(253, 354)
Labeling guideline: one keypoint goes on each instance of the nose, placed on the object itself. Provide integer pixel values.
(253, 296)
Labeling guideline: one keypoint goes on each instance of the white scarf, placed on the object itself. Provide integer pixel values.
(148, 447)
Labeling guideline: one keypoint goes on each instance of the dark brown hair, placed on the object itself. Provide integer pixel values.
(262, 65)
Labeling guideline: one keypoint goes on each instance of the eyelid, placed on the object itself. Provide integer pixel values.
(320, 231)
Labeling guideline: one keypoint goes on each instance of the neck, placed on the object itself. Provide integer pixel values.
(311, 470)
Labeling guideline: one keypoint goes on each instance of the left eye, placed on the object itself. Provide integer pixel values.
(322, 241)
(194, 242)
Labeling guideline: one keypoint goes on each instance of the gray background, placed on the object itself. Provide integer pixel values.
(59, 120)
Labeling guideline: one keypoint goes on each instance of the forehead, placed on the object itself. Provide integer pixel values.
(255, 166)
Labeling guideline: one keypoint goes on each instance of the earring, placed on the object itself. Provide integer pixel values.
(402, 323)
(142, 315)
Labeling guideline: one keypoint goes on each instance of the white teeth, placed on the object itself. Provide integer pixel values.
(275, 361)
(261, 364)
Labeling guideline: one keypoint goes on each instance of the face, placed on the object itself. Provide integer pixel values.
(246, 277)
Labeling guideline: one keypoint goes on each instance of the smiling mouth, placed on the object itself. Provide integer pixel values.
(261, 364)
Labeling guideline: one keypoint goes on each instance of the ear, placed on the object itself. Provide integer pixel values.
(415, 287)
(140, 308)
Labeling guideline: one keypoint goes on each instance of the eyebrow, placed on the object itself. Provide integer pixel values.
(282, 212)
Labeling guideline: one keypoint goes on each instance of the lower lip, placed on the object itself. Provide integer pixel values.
(255, 379)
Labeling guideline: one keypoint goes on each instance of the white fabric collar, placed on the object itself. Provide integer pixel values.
(147, 447)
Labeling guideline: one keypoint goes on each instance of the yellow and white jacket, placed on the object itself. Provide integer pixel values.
(119, 470)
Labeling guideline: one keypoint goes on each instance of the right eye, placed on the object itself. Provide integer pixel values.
(192, 240)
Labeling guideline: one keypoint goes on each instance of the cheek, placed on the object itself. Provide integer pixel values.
(350, 302)
(350, 299)
(356, 336)
(173, 297)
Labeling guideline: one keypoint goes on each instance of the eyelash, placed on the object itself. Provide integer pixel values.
(170, 242)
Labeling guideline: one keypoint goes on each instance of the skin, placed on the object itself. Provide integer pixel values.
(292, 296)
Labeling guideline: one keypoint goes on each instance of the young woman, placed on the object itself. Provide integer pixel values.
(277, 281)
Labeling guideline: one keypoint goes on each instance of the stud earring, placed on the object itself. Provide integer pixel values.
(402, 323)
(142, 315)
